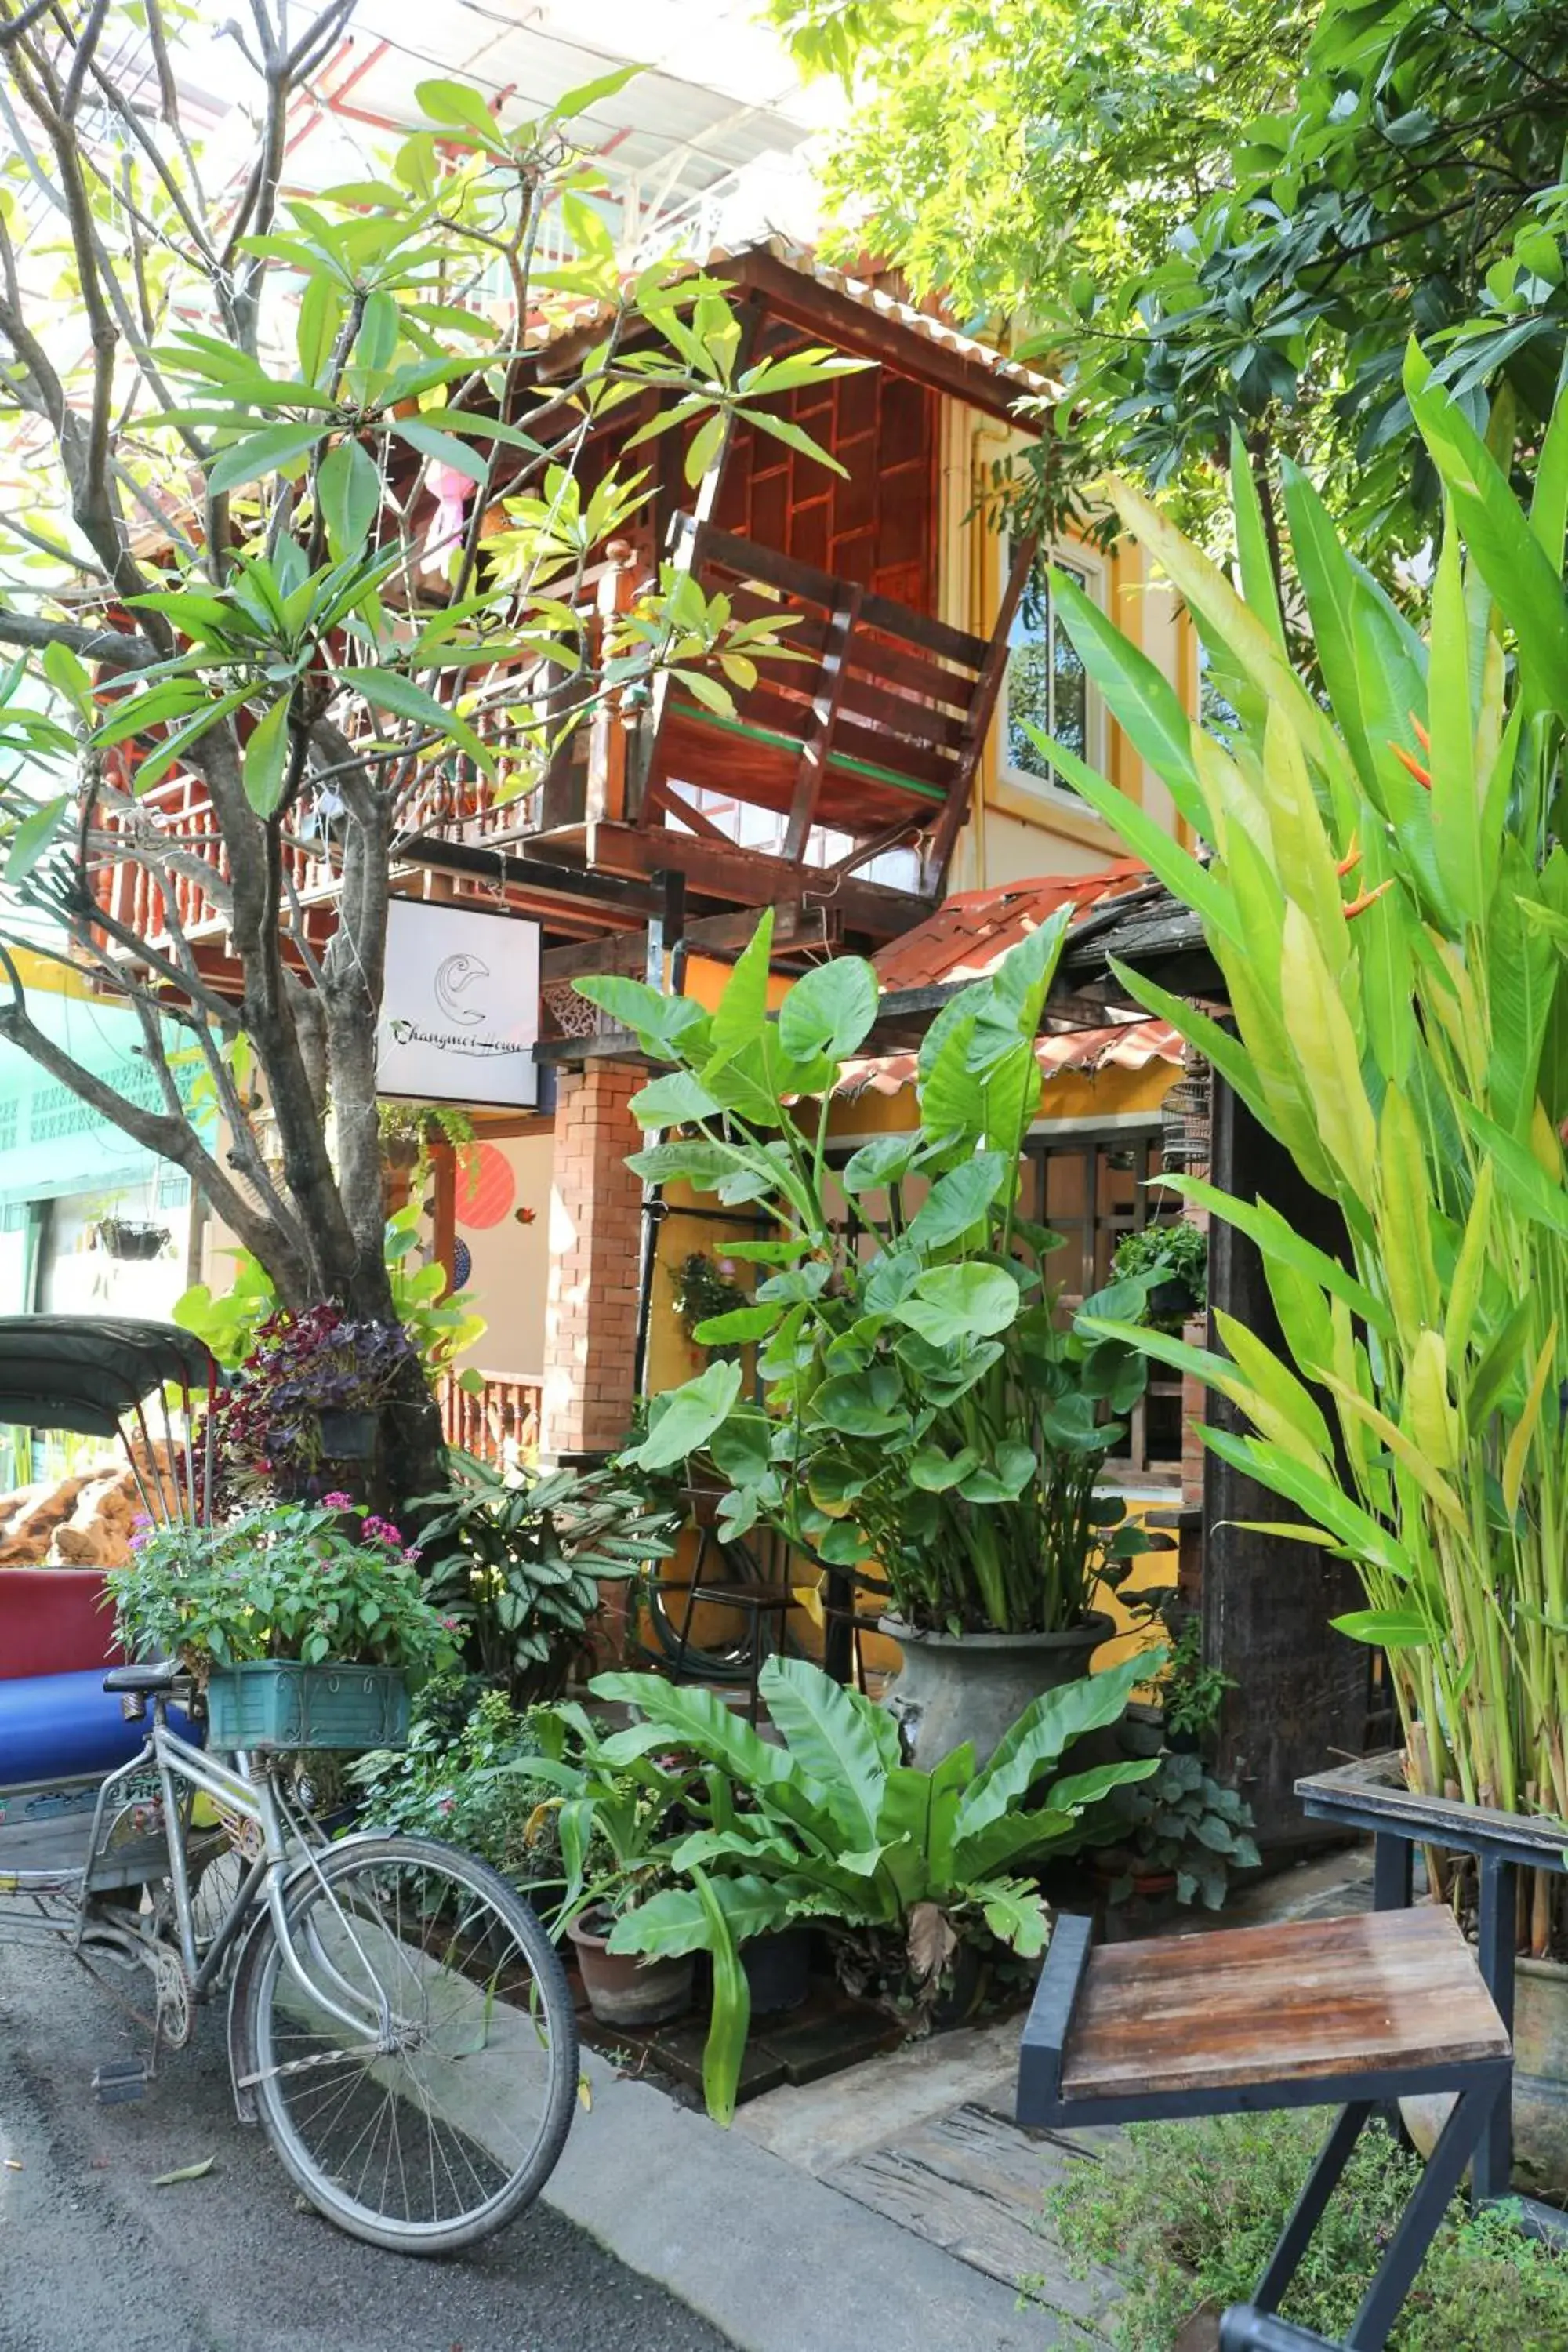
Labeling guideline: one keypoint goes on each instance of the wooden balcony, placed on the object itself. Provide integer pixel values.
(865, 743)
(498, 1423)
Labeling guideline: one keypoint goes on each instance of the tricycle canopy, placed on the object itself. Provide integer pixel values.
(86, 1372)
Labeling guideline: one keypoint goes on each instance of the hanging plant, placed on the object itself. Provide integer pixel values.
(123, 1239)
(703, 1289)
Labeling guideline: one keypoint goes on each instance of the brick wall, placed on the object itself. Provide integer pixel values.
(596, 1225)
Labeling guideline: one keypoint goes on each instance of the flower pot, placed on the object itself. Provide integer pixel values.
(778, 1970)
(348, 1436)
(953, 1687)
(622, 1988)
(1141, 1730)
(279, 1703)
(1539, 2085)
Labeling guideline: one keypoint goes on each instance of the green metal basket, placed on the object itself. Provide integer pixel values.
(279, 1703)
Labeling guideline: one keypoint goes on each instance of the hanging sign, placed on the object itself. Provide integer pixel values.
(460, 1013)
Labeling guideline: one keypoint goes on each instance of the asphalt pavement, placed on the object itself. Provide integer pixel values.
(93, 2258)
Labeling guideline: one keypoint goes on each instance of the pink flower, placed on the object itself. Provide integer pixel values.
(413, 1554)
(337, 1502)
(382, 1530)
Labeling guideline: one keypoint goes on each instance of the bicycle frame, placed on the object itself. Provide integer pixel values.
(244, 1793)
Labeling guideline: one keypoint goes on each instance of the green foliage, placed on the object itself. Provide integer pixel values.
(1182, 1820)
(517, 1562)
(1192, 1693)
(438, 1329)
(833, 1826)
(1387, 899)
(704, 1293)
(928, 1420)
(1189, 2214)
(1206, 219)
(296, 530)
(447, 1782)
(286, 1582)
(1173, 1251)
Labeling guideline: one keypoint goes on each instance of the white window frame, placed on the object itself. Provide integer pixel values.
(1094, 572)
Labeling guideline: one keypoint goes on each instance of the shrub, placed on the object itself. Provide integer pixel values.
(445, 1784)
(1189, 2214)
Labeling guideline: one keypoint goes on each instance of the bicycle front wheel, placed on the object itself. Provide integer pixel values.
(429, 2129)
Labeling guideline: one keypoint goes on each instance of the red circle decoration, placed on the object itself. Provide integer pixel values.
(487, 1186)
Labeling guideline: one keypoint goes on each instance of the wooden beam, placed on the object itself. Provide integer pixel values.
(607, 739)
(569, 880)
(827, 703)
(977, 721)
(662, 795)
(721, 937)
(756, 879)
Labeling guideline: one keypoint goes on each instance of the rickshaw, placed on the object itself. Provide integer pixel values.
(399, 2023)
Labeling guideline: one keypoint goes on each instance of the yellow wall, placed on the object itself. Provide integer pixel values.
(1018, 831)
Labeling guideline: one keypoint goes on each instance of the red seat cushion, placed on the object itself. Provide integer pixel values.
(53, 1621)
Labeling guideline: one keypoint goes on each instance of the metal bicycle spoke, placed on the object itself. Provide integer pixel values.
(437, 2128)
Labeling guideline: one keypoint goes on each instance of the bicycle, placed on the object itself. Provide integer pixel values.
(399, 2021)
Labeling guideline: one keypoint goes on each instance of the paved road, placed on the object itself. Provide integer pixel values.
(93, 2257)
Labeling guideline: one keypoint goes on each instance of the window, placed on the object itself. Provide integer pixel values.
(1045, 683)
(1093, 1188)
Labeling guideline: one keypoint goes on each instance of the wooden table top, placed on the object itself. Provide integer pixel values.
(1382, 1991)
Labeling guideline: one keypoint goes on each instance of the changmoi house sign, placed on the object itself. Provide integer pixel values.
(460, 1015)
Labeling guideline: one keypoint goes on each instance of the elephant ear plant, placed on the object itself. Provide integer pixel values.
(925, 1414)
(832, 1826)
(1388, 897)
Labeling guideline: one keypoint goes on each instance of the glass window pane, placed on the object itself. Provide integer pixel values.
(1045, 681)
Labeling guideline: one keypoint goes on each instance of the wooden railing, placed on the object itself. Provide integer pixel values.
(498, 1423)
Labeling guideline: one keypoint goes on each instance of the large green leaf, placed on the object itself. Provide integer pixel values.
(275, 448)
(958, 1200)
(846, 1743)
(389, 690)
(829, 1010)
(682, 1421)
(1047, 1726)
(1512, 559)
(672, 1027)
(348, 484)
(1139, 696)
(959, 1302)
(265, 758)
(676, 1100)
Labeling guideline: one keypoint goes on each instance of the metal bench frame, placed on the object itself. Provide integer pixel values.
(1372, 1795)
(1480, 2085)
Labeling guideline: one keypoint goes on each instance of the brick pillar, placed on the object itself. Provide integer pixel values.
(595, 1226)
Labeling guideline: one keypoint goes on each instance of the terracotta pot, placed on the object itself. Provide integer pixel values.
(953, 1687)
(623, 1990)
(1539, 2085)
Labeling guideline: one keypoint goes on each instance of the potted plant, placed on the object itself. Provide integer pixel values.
(1175, 1252)
(614, 1819)
(907, 1868)
(928, 1420)
(1181, 1833)
(309, 1393)
(123, 1237)
(300, 1623)
(1388, 900)
(518, 1561)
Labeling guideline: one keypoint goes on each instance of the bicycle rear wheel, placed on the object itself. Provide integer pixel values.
(429, 2144)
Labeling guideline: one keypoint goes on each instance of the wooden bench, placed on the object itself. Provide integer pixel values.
(1336, 2012)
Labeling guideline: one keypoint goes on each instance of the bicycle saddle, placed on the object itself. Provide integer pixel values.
(160, 1675)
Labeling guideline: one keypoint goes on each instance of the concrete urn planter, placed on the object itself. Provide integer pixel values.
(953, 1687)
(1539, 2085)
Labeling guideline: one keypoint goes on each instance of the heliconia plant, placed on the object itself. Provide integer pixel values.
(1380, 880)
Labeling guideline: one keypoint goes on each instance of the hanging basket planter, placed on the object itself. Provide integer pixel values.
(123, 1239)
(349, 1436)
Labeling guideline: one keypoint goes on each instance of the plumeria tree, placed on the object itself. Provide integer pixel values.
(291, 509)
